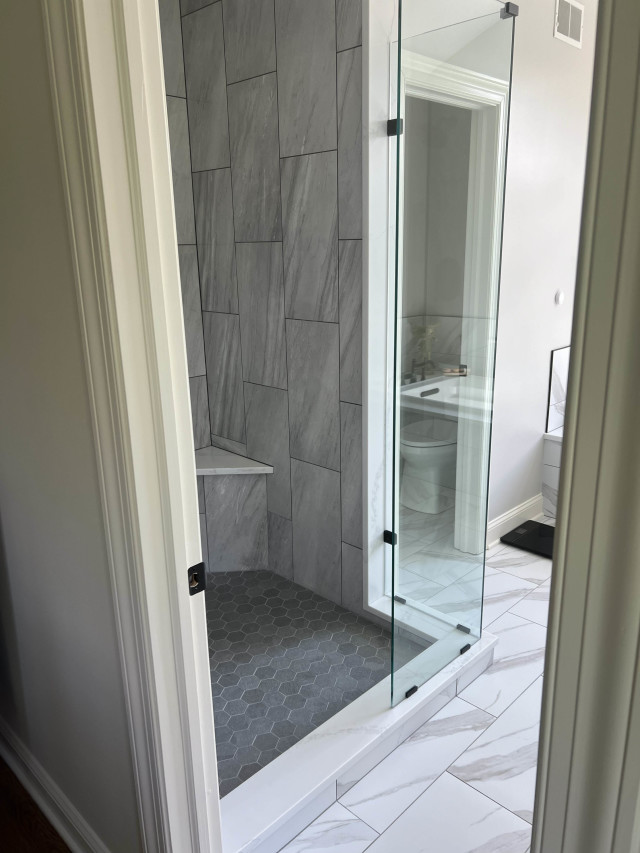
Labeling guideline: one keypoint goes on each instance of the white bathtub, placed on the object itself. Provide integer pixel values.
(453, 396)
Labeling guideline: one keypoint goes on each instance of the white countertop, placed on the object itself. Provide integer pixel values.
(215, 460)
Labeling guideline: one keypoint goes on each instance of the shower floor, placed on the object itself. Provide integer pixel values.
(283, 661)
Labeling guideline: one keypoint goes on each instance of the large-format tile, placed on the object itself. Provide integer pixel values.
(314, 407)
(501, 592)
(216, 251)
(413, 587)
(450, 817)
(310, 236)
(224, 376)
(188, 6)
(350, 144)
(255, 164)
(351, 473)
(280, 545)
(306, 39)
(249, 38)
(350, 289)
(206, 88)
(518, 660)
(260, 293)
(191, 309)
(502, 762)
(199, 411)
(535, 606)
(236, 522)
(171, 33)
(352, 578)
(384, 793)
(267, 422)
(348, 23)
(181, 169)
(316, 529)
(227, 444)
(443, 570)
(336, 830)
(522, 564)
(461, 601)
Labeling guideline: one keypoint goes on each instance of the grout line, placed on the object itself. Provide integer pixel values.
(193, 11)
(309, 154)
(253, 77)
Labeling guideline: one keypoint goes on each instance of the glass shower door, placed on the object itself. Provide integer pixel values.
(452, 102)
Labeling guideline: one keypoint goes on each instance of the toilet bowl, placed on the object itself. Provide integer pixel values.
(428, 448)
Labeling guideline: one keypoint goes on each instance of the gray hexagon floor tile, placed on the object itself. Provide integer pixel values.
(283, 661)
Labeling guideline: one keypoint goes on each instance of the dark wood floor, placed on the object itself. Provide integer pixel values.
(23, 827)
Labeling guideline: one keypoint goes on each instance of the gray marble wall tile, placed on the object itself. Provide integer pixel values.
(306, 40)
(350, 143)
(316, 529)
(237, 522)
(310, 236)
(313, 361)
(200, 411)
(260, 291)
(267, 421)
(350, 275)
(249, 38)
(192, 310)
(352, 578)
(181, 169)
(253, 132)
(206, 88)
(280, 545)
(188, 6)
(203, 541)
(348, 23)
(351, 473)
(216, 250)
(224, 375)
(171, 33)
(227, 444)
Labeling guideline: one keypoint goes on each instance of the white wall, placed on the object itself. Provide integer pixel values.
(550, 103)
(61, 689)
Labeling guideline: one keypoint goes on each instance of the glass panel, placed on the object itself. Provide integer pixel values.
(453, 97)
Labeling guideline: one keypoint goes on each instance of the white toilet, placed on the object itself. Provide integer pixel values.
(428, 448)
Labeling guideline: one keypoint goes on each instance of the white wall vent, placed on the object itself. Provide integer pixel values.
(569, 18)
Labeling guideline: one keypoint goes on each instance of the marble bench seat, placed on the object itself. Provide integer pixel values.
(214, 461)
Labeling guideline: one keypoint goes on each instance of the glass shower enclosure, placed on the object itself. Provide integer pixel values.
(448, 144)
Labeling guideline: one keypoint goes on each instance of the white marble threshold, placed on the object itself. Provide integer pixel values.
(268, 810)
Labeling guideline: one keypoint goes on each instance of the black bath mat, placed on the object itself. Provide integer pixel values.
(532, 536)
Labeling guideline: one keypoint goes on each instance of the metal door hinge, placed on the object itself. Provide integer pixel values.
(465, 648)
(510, 10)
(390, 538)
(197, 578)
(395, 126)
(411, 691)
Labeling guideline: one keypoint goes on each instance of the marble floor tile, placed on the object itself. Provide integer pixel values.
(336, 830)
(450, 817)
(548, 519)
(433, 567)
(387, 790)
(502, 763)
(501, 592)
(206, 81)
(306, 40)
(461, 601)
(249, 38)
(522, 564)
(518, 661)
(535, 606)
(413, 587)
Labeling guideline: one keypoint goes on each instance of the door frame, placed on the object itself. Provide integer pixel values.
(107, 82)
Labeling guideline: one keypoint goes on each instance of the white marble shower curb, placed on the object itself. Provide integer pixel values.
(272, 807)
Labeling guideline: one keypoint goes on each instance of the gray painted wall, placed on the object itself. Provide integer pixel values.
(61, 689)
(264, 100)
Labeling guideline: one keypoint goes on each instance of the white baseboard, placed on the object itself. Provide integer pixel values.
(52, 802)
(497, 527)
